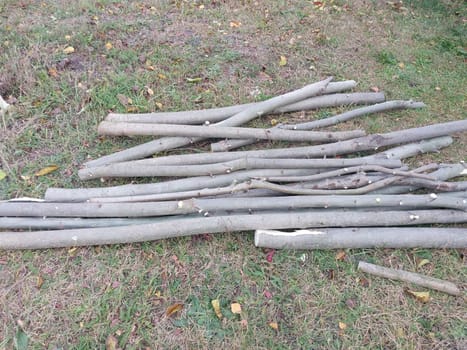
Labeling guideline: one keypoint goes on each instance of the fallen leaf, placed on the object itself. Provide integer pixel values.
(342, 326)
(72, 251)
(39, 282)
(217, 308)
(159, 105)
(283, 61)
(363, 282)
(235, 24)
(52, 72)
(274, 325)
(401, 65)
(267, 294)
(132, 109)
(423, 297)
(173, 309)
(437, 88)
(149, 91)
(111, 343)
(274, 122)
(2, 174)
(68, 50)
(374, 89)
(351, 303)
(193, 80)
(46, 170)
(340, 256)
(331, 274)
(244, 323)
(236, 308)
(67, 37)
(124, 100)
(108, 46)
(423, 262)
(162, 76)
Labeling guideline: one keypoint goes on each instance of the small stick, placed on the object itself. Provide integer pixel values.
(411, 277)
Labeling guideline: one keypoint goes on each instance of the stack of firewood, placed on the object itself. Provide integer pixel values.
(366, 200)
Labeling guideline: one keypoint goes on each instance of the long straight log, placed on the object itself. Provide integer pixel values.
(237, 119)
(45, 223)
(177, 227)
(370, 142)
(214, 115)
(226, 145)
(411, 277)
(133, 167)
(123, 170)
(202, 206)
(363, 237)
(132, 129)
(193, 183)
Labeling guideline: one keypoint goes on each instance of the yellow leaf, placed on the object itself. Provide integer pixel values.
(2, 174)
(274, 325)
(69, 49)
(111, 343)
(151, 68)
(67, 37)
(46, 170)
(161, 76)
(236, 308)
(132, 109)
(39, 282)
(72, 251)
(159, 105)
(53, 72)
(283, 61)
(274, 122)
(342, 326)
(423, 262)
(108, 46)
(423, 297)
(235, 24)
(401, 65)
(173, 309)
(217, 308)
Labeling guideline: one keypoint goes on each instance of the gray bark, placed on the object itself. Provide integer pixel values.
(123, 170)
(202, 206)
(226, 145)
(178, 227)
(363, 237)
(415, 278)
(237, 119)
(132, 129)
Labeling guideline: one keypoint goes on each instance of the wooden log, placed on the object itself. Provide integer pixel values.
(202, 206)
(177, 227)
(363, 237)
(132, 129)
(411, 277)
(254, 111)
(123, 170)
(226, 145)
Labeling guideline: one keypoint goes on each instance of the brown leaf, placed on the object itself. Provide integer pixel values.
(52, 71)
(111, 343)
(173, 309)
(340, 256)
(244, 323)
(124, 100)
(351, 303)
(46, 170)
(331, 274)
(39, 282)
(235, 24)
(374, 89)
(363, 282)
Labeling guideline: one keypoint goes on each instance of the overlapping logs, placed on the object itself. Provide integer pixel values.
(364, 200)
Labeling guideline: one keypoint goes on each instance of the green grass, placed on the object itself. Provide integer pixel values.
(91, 293)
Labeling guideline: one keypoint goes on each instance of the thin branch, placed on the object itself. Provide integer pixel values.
(411, 277)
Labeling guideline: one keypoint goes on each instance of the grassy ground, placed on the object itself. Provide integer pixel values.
(79, 298)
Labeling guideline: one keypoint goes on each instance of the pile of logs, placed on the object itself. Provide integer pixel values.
(369, 198)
